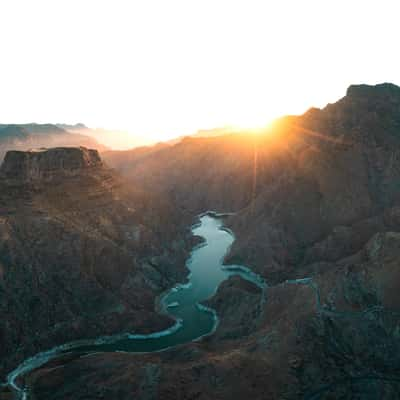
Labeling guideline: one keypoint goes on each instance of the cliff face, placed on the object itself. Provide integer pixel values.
(28, 136)
(310, 188)
(49, 164)
(341, 186)
(333, 338)
(317, 201)
(81, 254)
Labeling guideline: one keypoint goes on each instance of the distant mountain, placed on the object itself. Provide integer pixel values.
(317, 212)
(124, 160)
(227, 130)
(346, 153)
(76, 127)
(111, 138)
(11, 133)
(124, 141)
(27, 136)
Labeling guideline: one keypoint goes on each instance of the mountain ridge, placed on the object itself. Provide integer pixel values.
(316, 202)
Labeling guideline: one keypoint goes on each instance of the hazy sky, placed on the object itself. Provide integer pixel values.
(168, 67)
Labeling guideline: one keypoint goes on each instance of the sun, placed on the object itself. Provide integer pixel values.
(254, 126)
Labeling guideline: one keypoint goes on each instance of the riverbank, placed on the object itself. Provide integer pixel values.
(194, 320)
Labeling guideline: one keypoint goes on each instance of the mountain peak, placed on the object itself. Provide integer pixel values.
(387, 89)
(13, 131)
(47, 164)
(72, 127)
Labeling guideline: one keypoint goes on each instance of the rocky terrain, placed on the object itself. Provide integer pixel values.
(335, 337)
(81, 253)
(31, 136)
(124, 160)
(310, 188)
(317, 197)
(317, 212)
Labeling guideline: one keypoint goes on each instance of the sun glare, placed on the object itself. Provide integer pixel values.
(181, 72)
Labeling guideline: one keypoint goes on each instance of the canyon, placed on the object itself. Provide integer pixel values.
(80, 253)
(315, 209)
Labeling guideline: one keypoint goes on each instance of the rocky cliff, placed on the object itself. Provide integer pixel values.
(317, 213)
(81, 253)
(28, 136)
(332, 337)
(49, 164)
(309, 188)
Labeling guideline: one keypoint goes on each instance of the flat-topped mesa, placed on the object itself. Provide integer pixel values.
(47, 164)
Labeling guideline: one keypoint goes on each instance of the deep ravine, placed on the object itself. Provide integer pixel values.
(182, 302)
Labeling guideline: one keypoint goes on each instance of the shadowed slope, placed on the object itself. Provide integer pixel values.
(81, 254)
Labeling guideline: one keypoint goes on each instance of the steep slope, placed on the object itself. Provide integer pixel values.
(318, 214)
(219, 169)
(344, 182)
(124, 160)
(81, 254)
(303, 183)
(332, 337)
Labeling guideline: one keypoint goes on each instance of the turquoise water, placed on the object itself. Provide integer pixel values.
(193, 320)
(206, 274)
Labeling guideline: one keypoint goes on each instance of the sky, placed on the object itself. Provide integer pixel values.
(163, 68)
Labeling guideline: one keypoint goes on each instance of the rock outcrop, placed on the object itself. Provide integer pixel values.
(309, 185)
(49, 164)
(27, 136)
(81, 253)
(317, 213)
(317, 204)
(332, 337)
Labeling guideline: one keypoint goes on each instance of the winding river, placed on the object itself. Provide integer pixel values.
(183, 303)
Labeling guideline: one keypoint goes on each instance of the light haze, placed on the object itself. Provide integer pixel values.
(165, 68)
